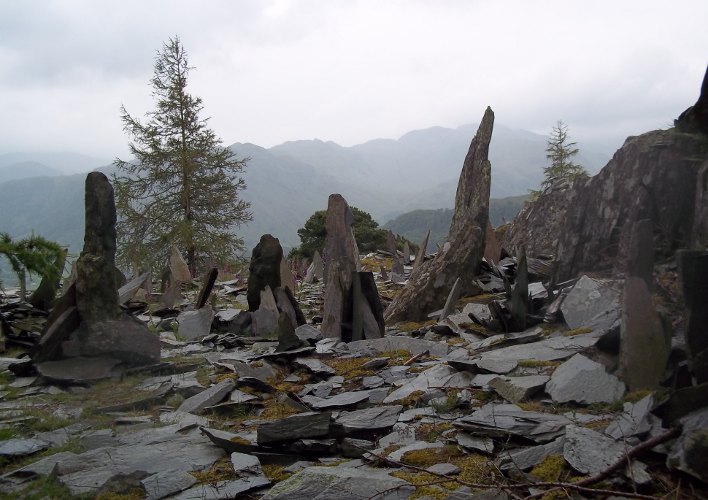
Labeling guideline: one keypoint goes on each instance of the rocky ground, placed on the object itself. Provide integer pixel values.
(443, 409)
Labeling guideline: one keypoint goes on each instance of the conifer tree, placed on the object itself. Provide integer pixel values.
(182, 188)
(560, 152)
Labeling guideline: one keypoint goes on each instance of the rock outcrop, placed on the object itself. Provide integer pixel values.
(264, 269)
(460, 257)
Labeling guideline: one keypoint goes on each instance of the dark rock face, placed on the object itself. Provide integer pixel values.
(695, 118)
(264, 269)
(693, 268)
(431, 282)
(96, 285)
(342, 259)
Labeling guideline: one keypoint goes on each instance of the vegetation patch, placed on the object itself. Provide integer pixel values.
(577, 331)
(430, 456)
(275, 410)
(431, 432)
(415, 325)
(350, 367)
(221, 470)
(275, 473)
(423, 481)
(484, 298)
(537, 363)
(412, 399)
(636, 396)
(399, 356)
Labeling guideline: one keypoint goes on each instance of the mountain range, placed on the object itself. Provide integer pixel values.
(41, 193)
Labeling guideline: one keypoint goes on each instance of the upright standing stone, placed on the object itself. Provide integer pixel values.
(420, 256)
(178, 267)
(693, 269)
(342, 260)
(699, 234)
(367, 312)
(520, 294)
(644, 347)
(492, 247)
(640, 260)
(264, 269)
(406, 253)
(96, 285)
(431, 283)
(316, 270)
(286, 276)
(452, 299)
(396, 264)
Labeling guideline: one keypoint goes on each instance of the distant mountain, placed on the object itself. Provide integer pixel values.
(289, 182)
(413, 225)
(64, 162)
(24, 169)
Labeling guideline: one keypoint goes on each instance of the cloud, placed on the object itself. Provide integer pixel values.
(349, 71)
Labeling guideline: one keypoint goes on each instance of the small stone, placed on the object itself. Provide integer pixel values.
(444, 469)
(517, 389)
(208, 397)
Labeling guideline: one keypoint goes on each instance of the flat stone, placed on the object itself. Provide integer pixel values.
(517, 389)
(444, 469)
(241, 397)
(370, 419)
(166, 483)
(502, 420)
(308, 333)
(340, 483)
(439, 376)
(18, 447)
(315, 366)
(355, 448)
(491, 365)
(343, 399)
(208, 397)
(524, 459)
(223, 489)
(634, 420)
(480, 311)
(545, 350)
(397, 343)
(80, 369)
(302, 425)
(470, 442)
(584, 381)
(398, 454)
(592, 304)
(195, 324)
(230, 442)
(590, 452)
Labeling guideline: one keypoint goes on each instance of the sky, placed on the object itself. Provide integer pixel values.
(348, 71)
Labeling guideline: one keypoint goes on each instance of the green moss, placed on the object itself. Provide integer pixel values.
(45, 487)
(636, 396)
(422, 480)
(221, 470)
(430, 456)
(412, 399)
(536, 363)
(432, 431)
(415, 325)
(475, 468)
(577, 331)
(350, 368)
(275, 472)
(550, 469)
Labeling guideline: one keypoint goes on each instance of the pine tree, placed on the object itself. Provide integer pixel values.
(560, 152)
(182, 188)
(34, 255)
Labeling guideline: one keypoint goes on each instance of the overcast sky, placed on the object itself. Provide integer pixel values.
(270, 71)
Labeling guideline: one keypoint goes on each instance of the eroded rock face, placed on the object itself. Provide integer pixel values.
(431, 282)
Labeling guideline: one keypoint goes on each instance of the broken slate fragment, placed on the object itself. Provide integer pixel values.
(517, 389)
(438, 376)
(18, 447)
(592, 304)
(584, 381)
(300, 426)
(315, 366)
(588, 451)
(526, 458)
(370, 419)
(209, 397)
(343, 399)
(195, 324)
(340, 483)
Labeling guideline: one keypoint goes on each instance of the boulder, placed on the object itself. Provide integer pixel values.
(461, 256)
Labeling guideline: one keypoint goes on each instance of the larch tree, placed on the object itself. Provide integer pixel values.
(182, 187)
(560, 152)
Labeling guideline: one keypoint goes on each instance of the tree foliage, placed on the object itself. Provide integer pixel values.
(369, 236)
(32, 255)
(560, 152)
(183, 186)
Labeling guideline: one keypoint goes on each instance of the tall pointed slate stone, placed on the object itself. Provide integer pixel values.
(341, 260)
(460, 257)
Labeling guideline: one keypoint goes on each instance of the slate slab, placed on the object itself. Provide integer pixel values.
(526, 458)
(208, 397)
(584, 381)
(17, 447)
(590, 452)
(592, 304)
(195, 324)
(340, 400)
(436, 377)
(302, 425)
(517, 389)
(369, 419)
(340, 483)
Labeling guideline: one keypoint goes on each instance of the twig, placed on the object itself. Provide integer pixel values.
(415, 358)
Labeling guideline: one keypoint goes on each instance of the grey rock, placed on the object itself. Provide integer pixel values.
(195, 324)
(208, 397)
(475, 443)
(525, 458)
(590, 452)
(80, 369)
(315, 366)
(355, 448)
(517, 389)
(452, 299)
(300, 426)
(128, 291)
(690, 451)
(18, 447)
(237, 396)
(502, 420)
(166, 483)
(444, 469)
(438, 376)
(480, 311)
(340, 483)
(287, 340)
(401, 434)
(343, 399)
(492, 365)
(223, 489)
(370, 419)
(644, 347)
(395, 343)
(584, 381)
(264, 269)
(308, 333)
(178, 267)
(634, 420)
(545, 350)
(592, 304)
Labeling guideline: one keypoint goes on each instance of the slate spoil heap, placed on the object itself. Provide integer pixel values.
(505, 383)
